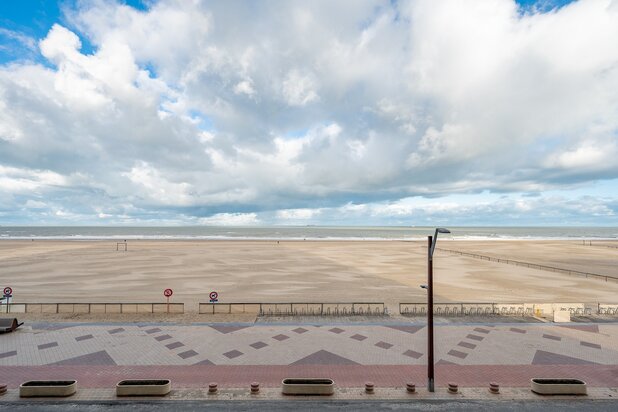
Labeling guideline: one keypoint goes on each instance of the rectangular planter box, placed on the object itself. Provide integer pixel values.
(143, 387)
(308, 386)
(558, 386)
(47, 388)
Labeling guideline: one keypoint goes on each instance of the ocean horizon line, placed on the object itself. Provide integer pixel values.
(333, 233)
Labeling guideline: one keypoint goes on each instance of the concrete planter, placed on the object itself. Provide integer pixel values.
(557, 386)
(143, 387)
(47, 388)
(308, 386)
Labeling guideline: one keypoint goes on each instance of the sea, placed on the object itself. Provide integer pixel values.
(301, 233)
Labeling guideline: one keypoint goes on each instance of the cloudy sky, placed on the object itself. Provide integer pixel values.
(489, 112)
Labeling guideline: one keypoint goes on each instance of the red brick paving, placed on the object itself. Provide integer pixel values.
(344, 375)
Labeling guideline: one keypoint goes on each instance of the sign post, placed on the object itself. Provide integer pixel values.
(167, 293)
(213, 297)
(8, 294)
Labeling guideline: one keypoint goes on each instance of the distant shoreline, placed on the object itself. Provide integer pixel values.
(303, 233)
(297, 239)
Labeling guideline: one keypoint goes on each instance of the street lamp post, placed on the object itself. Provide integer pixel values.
(431, 245)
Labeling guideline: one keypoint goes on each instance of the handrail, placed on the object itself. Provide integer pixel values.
(295, 308)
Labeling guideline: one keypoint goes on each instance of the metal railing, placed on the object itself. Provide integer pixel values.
(112, 308)
(531, 265)
(297, 308)
(507, 309)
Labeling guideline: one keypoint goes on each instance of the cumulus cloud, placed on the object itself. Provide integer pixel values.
(297, 214)
(230, 219)
(217, 112)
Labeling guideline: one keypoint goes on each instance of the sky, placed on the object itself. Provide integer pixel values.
(188, 112)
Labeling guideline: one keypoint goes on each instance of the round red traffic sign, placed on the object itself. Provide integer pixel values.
(8, 291)
(168, 292)
(213, 295)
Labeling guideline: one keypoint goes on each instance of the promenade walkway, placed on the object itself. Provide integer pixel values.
(234, 354)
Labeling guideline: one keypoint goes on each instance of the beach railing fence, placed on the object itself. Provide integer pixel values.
(608, 309)
(94, 308)
(570, 272)
(297, 308)
(507, 309)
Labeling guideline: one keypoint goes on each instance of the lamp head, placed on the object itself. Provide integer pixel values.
(435, 239)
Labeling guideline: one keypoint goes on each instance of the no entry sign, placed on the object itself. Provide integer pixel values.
(168, 292)
(8, 293)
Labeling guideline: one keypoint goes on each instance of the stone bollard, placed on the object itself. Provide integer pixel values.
(212, 387)
(410, 387)
(255, 386)
(494, 387)
(369, 387)
(452, 388)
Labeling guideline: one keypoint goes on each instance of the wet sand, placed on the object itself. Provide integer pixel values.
(300, 271)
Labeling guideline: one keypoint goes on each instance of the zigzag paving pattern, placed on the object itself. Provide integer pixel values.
(357, 349)
(272, 344)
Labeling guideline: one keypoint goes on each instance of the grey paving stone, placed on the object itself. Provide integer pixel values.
(542, 357)
(281, 337)
(174, 345)
(358, 337)
(162, 338)
(233, 354)
(383, 345)
(153, 330)
(225, 329)
(475, 337)
(336, 330)
(8, 354)
(407, 329)
(95, 358)
(323, 357)
(590, 344)
(457, 354)
(204, 362)
(188, 354)
(465, 344)
(445, 362)
(48, 345)
(114, 331)
(300, 330)
(552, 337)
(413, 354)
(83, 337)
(258, 345)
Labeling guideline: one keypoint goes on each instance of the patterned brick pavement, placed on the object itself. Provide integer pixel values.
(236, 354)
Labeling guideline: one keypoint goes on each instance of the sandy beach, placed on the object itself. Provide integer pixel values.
(297, 271)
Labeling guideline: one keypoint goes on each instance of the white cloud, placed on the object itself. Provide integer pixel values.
(230, 219)
(297, 214)
(17, 180)
(299, 89)
(585, 157)
(244, 87)
(189, 108)
(153, 186)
